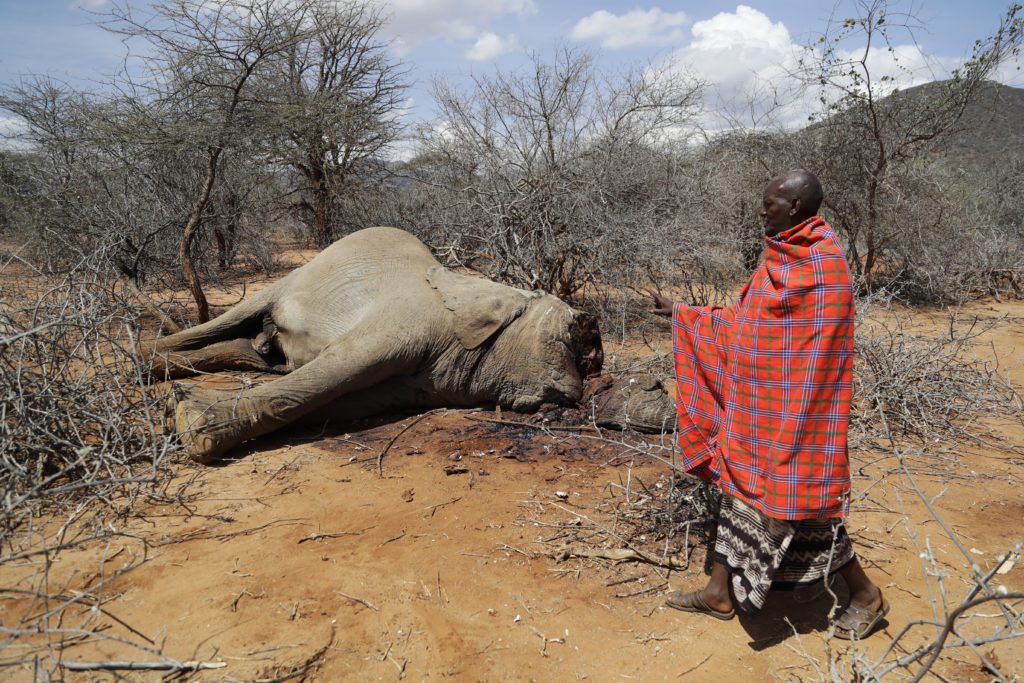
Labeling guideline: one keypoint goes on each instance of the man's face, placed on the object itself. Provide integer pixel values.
(777, 209)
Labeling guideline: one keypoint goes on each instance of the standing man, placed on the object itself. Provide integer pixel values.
(763, 390)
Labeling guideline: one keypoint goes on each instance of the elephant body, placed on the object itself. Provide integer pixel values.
(375, 323)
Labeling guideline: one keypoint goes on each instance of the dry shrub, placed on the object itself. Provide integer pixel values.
(75, 421)
(80, 441)
(923, 386)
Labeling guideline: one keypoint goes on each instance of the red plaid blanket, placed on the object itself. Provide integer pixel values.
(764, 386)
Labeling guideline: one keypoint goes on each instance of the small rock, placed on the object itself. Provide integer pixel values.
(408, 494)
(562, 494)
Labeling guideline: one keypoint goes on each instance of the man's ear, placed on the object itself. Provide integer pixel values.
(795, 211)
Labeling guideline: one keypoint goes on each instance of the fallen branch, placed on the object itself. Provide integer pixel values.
(353, 598)
(435, 508)
(387, 447)
(619, 555)
(540, 427)
(300, 671)
(169, 665)
(168, 324)
(336, 534)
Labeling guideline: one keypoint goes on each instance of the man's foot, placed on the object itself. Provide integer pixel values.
(859, 621)
(694, 602)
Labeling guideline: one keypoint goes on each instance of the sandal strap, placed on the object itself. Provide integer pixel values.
(855, 615)
(860, 621)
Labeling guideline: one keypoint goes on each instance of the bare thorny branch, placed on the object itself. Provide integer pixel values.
(80, 439)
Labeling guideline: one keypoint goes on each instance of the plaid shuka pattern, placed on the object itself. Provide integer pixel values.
(763, 387)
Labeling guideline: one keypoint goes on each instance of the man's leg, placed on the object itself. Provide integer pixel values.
(716, 594)
(867, 606)
(863, 592)
(715, 599)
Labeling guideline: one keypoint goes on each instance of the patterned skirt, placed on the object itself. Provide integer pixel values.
(763, 553)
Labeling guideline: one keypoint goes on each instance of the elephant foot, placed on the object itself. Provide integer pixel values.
(194, 415)
(189, 423)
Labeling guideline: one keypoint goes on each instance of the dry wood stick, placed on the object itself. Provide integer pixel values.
(435, 508)
(540, 427)
(353, 598)
(336, 534)
(649, 589)
(618, 554)
(619, 582)
(170, 665)
(387, 447)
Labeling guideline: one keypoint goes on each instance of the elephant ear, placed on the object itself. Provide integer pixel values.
(480, 307)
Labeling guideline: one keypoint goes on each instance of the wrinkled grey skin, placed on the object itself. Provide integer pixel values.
(375, 323)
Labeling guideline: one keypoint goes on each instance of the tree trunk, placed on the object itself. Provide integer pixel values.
(222, 248)
(188, 269)
(751, 239)
(322, 228)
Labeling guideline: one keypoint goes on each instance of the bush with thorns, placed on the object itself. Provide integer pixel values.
(75, 421)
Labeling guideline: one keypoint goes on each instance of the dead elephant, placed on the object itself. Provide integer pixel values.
(375, 323)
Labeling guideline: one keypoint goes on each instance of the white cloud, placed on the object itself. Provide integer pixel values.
(490, 45)
(750, 64)
(647, 27)
(413, 22)
(1011, 72)
(13, 130)
(746, 27)
(745, 58)
(89, 4)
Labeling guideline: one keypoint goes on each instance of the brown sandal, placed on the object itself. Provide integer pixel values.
(859, 622)
(692, 602)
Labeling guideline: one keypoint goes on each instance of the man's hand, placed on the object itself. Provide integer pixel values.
(662, 305)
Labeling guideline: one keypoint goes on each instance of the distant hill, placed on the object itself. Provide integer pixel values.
(991, 130)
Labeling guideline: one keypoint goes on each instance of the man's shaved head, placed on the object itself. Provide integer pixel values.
(790, 199)
(801, 184)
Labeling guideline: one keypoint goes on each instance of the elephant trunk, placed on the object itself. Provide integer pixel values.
(638, 402)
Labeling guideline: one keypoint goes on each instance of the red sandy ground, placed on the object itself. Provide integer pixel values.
(453, 581)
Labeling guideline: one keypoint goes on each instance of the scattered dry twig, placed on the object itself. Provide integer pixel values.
(403, 430)
(169, 665)
(353, 598)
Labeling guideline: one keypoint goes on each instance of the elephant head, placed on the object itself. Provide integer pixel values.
(543, 356)
(532, 348)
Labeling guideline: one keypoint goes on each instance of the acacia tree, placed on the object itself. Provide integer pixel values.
(336, 96)
(870, 143)
(196, 86)
(547, 173)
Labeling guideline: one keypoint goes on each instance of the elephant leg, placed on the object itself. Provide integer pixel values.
(396, 394)
(237, 354)
(244, 320)
(210, 423)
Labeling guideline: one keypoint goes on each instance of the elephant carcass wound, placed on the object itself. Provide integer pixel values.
(375, 323)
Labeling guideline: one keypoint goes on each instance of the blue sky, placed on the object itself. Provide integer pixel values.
(726, 43)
